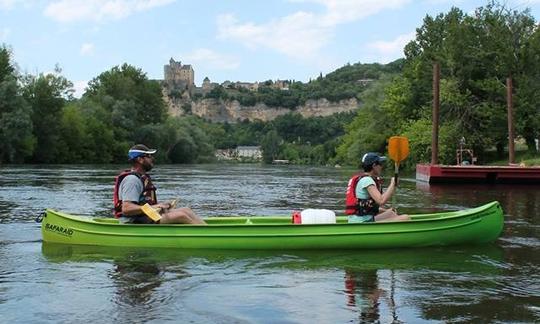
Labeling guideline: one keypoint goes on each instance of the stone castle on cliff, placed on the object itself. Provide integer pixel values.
(182, 96)
(178, 76)
(181, 77)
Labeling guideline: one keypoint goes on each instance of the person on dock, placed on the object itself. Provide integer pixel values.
(365, 195)
(133, 188)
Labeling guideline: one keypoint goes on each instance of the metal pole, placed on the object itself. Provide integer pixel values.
(510, 105)
(435, 118)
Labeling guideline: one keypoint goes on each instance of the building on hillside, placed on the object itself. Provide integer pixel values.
(178, 76)
(179, 79)
(249, 152)
(365, 82)
(281, 84)
(225, 155)
(206, 84)
(252, 86)
(241, 153)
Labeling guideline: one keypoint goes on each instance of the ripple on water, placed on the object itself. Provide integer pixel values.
(521, 241)
(482, 259)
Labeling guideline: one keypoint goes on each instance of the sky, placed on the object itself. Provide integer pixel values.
(236, 40)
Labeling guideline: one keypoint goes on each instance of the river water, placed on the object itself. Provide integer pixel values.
(41, 283)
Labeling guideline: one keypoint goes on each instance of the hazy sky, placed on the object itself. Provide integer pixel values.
(237, 40)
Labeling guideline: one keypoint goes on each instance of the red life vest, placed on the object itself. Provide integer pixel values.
(147, 196)
(355, 206)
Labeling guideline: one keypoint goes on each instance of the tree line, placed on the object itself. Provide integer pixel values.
(477, 52)
(41, 122)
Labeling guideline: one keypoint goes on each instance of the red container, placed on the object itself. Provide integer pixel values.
(296, 217)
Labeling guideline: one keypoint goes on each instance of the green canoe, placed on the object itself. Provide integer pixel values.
(472, 226)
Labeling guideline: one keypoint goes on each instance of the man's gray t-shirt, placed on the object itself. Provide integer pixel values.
(130, 189)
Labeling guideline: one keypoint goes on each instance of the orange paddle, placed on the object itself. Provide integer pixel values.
(398, 150)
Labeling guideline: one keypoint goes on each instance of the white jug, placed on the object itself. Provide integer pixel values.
(318, 216)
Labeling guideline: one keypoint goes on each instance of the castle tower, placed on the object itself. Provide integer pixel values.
(179, 76)
(206, 84)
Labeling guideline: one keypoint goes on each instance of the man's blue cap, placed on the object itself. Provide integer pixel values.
(138, 150)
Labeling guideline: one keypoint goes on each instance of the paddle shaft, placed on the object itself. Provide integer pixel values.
(396, 175)
(396, 172)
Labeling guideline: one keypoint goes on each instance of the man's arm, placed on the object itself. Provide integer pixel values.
(130, 209)
(130, 191)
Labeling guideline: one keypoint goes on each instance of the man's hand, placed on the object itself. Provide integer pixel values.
(162, 206)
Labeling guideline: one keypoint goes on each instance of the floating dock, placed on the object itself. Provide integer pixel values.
(477, 174)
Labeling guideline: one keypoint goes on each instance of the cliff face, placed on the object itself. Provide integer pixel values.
(232, 111)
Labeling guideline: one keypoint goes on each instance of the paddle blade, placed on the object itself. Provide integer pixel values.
(398, 148)
(151, 212)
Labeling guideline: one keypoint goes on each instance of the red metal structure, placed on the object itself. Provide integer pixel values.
(461, 173)
(477, 174)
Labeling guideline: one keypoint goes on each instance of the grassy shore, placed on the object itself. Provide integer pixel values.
(522, 157)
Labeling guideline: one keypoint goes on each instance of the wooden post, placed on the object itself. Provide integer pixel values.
(435, 117)
(510, 105)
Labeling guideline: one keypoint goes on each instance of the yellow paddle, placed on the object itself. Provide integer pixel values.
(153, 213)
(174, 202)
(398, 150)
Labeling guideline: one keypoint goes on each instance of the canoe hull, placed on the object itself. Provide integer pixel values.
(474, 226)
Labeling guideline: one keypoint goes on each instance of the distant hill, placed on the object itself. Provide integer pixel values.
(337, 88)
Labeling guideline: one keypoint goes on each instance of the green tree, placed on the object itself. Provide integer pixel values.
(16, 139)
(374, 123)
(74, 138)
(47, 94)
(130, 86)
(270, 146)
(477, 52)
(123, 101)
(181, 139)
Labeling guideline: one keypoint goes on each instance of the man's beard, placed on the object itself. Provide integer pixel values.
(147, 167)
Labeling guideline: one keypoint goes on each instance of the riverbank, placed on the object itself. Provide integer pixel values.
(524, 158)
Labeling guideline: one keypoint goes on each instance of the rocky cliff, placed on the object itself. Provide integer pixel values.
(232, 111)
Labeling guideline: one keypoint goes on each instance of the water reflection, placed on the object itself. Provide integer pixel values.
(135, 281)
(363, 292)
(478, 259)
(516, 199)
(376, 282)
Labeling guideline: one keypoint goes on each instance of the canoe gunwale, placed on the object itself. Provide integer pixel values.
(478, 212)
(401, 231)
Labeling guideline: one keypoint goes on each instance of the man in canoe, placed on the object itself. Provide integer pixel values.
(365, 195)
(133, 188)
